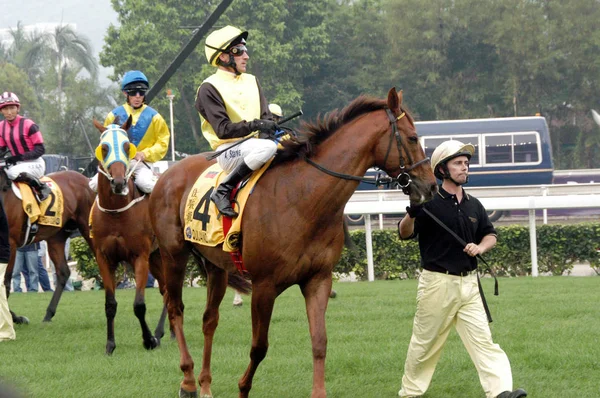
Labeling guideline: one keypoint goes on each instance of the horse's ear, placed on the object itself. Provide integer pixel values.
(127, 123)
(99, 126)
(394, 100)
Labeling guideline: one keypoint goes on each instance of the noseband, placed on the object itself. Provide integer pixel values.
(403, 179)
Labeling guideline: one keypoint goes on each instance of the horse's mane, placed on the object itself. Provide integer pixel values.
(311, 135)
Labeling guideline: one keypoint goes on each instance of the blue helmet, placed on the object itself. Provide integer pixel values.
(134, 76)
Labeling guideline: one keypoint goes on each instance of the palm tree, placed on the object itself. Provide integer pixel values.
(69, 53)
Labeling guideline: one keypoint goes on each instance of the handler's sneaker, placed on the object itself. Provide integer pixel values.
(518, 393)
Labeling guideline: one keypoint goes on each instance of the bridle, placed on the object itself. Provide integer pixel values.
(403, 179)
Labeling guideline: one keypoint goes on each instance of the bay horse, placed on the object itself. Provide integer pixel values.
(77, 199)
(292, 225)
(121, 230)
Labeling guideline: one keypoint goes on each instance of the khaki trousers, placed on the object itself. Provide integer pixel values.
(444, 301)
(7, 332)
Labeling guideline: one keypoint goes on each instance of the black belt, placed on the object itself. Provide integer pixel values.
(462, 273)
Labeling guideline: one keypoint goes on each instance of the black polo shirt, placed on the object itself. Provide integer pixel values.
(440, 252)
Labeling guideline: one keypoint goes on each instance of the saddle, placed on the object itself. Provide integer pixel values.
(47, 212)
(202, 223)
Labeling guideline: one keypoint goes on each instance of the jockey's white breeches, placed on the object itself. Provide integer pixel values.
(35, 167)
(144, 178)
(255, 152)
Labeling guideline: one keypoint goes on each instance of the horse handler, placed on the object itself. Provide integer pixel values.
(448, 292)
(232, 107)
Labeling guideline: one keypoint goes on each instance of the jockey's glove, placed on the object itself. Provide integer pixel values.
(266, 128)
(414, 209)
(12, 160)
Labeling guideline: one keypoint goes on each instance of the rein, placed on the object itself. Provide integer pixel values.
(403, 179)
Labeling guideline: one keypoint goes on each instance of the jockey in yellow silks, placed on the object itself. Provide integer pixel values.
(232, 107)
(148, 132)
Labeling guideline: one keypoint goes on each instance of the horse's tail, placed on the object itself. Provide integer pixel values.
(234, 280)
(239, 283)
(348, 242)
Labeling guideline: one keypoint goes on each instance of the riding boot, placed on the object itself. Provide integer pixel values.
(43, 190)
(221, 195)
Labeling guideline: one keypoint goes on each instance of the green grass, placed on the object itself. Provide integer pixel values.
(549, 327)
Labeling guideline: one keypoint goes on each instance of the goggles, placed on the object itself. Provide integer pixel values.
(132, 92)
(238, 50)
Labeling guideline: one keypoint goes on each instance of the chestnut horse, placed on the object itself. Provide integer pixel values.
(121, 230)
(292, 224)
(78, 199)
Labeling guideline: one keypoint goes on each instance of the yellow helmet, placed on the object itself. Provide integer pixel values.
(449, 150)
(276, 110)
(219, 40)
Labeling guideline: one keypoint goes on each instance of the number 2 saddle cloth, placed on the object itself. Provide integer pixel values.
(50, 211)
(201, 222)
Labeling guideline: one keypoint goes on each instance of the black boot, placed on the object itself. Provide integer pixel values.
(221, 195)
(518, 393)
(43, 190)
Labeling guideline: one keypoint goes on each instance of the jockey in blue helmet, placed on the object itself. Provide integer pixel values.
(149, 131)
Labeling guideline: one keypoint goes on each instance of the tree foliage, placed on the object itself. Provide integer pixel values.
(453, 59)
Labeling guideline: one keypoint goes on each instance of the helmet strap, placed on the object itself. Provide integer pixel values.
(232, 64)
(446, 175)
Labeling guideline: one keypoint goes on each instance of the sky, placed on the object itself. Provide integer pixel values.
(91, 19)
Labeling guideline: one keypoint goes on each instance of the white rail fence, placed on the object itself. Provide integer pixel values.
(528, 197)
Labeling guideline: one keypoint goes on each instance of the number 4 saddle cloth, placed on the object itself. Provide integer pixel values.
(48, 212)
(201, 222)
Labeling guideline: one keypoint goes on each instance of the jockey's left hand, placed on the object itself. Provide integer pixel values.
(12, 160)
(140, 156)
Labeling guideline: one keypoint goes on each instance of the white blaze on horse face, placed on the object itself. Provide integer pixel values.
(114, 138)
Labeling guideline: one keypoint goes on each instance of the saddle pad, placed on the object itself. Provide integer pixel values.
(201, 224)
(50, 211)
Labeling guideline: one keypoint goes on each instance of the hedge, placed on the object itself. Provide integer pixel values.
(560, 247)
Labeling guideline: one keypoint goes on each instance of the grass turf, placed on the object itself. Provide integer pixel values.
(548, 326)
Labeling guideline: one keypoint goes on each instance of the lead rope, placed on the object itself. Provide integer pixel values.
(463, 243)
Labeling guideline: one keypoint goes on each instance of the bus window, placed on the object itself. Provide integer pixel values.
(498, 149)
(527, 148)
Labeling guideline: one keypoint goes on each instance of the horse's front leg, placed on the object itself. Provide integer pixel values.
(140, 267)
(316, 296)
(216, 288)
(263, 299)
(110, 303)
(56, 251)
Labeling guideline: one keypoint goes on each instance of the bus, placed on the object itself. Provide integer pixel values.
(508, 151)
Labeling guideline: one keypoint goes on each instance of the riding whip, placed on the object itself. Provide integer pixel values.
(284, 120)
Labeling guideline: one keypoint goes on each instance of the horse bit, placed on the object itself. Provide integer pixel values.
(403, 180)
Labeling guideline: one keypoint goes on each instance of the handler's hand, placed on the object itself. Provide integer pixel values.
(140, 156)
(472, 249)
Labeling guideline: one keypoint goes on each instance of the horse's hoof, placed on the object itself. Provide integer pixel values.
(22, 320)
(151, 344)
(206, 396)
(46, 319)
(110, 347)
(187, 394)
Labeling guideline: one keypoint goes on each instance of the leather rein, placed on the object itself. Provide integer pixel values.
(403, 180)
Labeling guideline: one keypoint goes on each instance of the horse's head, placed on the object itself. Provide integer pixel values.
(114, 153)
(401, 156)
